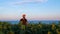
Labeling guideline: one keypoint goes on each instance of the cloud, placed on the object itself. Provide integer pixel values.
(34, 0)
(28, 1)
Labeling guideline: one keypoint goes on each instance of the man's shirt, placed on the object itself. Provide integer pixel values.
(24, 21)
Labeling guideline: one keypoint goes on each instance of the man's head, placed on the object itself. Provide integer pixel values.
(23, 15)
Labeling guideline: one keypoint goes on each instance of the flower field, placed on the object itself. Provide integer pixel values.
(8, 28)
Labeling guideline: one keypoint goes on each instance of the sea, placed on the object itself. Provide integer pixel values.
(36, 21)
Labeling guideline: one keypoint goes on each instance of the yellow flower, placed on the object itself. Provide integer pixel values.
(58, 32)
(0, 27)
(53, 26)
(10, 32)
(40, 26)
(49, 32)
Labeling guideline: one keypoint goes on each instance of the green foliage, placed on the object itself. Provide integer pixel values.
(7, 28)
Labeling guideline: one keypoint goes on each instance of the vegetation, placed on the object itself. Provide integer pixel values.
(7, 28)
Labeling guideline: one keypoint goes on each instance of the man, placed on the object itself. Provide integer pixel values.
(23, 22)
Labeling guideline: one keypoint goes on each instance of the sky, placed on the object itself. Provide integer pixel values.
(34, 9)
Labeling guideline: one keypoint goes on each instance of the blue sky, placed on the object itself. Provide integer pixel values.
(34, 9)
